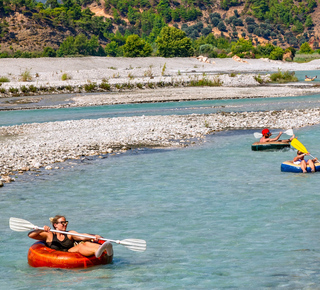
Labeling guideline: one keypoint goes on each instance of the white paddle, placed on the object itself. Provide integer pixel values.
(288, 132)
(20, 225)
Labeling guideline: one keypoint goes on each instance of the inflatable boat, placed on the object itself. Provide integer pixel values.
(308, 79)
(289, 166)
(40, 255)
(257, 146)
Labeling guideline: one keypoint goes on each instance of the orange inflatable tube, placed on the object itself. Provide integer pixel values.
(40, 255)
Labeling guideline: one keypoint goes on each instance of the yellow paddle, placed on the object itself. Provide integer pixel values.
(299, 146)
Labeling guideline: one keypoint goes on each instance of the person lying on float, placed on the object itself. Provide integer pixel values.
(69, 243)
(266, 134)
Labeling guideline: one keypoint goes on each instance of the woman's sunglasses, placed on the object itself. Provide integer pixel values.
(63, 223)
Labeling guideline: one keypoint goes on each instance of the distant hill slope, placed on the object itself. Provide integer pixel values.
(286, 23)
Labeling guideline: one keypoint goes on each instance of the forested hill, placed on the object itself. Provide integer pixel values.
(102, 27)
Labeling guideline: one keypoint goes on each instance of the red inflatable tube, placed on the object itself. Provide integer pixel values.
(40, 255)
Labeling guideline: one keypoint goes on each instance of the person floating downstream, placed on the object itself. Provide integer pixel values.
(66, 243)
(266, 134)
(310, 78)
(299, 159)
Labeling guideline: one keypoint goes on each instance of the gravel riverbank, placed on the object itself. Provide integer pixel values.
(30, 146)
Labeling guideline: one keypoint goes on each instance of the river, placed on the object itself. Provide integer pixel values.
(215, 215)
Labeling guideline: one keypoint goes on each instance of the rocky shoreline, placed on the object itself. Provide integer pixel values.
(30, 146)
(44, 145)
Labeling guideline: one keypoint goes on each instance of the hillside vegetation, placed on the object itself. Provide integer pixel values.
(219, 28)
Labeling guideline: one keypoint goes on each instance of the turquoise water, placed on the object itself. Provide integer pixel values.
(8, 118)
(215, 216)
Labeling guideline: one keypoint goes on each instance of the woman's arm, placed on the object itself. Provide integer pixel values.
(76, 238)
(40, 235)
(298, 157)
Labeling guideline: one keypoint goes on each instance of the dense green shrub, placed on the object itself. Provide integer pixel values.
(135, 46)
(306, 48)
(4, 80)
(283, 77)
(173, 42)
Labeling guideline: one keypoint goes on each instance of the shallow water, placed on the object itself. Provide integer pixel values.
(8, 118)
(215, 216)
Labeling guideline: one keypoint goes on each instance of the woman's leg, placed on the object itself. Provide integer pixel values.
(85, 249)
(311, 164)
(303, 165)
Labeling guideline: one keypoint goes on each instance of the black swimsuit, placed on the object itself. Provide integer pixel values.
(64, 245)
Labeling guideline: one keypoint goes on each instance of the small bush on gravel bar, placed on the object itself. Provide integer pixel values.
(44, 89)
(283, 77)
(90, 87)
(4, 80)
(69, 88)
(13, 90)
(105, 86)
(65, 77)
(129, 86)
(26, 76)
(24, 89)
(33, 89)
(205, 82)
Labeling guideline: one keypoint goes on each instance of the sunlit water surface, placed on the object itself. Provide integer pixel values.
(8, 118)
(215, 216)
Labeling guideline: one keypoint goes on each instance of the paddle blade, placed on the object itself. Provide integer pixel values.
(134, 244)
(298, 145)
(20, 225)
(257, 135)
(289, 132)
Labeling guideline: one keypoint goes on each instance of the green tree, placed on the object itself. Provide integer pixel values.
(135, 47)
(277, 53)
(173, 42)
(93, 47)
(221, 26)
(309, 22)
(163, 9)
(80, 44)
(67, 47)
(49, 52)
(68, 3)
(292, 49)
(52, 4)
(241, 46)
(111, 48)
(1, 6)
(305, 48)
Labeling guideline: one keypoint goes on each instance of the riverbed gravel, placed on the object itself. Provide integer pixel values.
(44, 145)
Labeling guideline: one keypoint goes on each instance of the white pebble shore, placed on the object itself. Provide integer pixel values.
(39, 145)
(31, 146)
